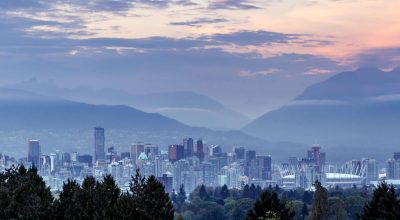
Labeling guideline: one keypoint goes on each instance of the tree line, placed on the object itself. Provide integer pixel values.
(24, 195)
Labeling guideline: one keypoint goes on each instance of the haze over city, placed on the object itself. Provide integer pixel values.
(201, 103)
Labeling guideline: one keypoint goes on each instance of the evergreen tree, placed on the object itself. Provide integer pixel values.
(203, 192)
(156, 202)
(64, 203)
(337, 209)
(269, 206)
(108, 194)
(179, 199)
(225, 193)
(304, 211)
(24, 195)
(319, 210)
(246, 192)
(384, 204)
(307, 197)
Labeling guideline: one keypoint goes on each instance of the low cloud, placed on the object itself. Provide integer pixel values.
(316, 102)
(198, 22)
(232, 4)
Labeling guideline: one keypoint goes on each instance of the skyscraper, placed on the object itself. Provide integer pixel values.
(176, 152)
(188, 143)
(265, 167)
(136, 150)
(240, 153)
(200, 149)
(34, 153)
(99, 144)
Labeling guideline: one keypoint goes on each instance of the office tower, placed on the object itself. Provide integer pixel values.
(216, 151)
(74, 156)
(34, 153)
(393, 169)
(265, 167)
(125, 155)
(250, 155)
(176, 152)
(65, 158)
(370, 167)
(136, 150)
(151, 151)
(99, 144)
(86, 158)
(45, 165)
(209, 174)
(317, 156)
(53, 161)
(240, 153)
(200, 149)
(188, 143)
(167, 182)
(396, 155)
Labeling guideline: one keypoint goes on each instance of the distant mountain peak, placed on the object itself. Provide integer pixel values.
(354, 85)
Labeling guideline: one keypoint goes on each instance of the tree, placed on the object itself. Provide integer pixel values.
(149, 199)
(296, 206)
(237, 209)
(225, 193)
(107, 193)
(354, 205)
(246, 192)
(269, 206)
(179, 199)
(24, 195)
(65, 201)
(319, 210)
(384, 204)
(203, 193)
(304, 211)
(307, 197)
(337, 210)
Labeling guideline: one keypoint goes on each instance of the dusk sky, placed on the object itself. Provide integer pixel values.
(252, 56)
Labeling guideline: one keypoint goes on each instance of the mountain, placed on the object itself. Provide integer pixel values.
(352, 113)
(68, 126)
(191, 108)
(187, 107)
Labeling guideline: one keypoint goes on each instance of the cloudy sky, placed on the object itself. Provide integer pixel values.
(251, 55)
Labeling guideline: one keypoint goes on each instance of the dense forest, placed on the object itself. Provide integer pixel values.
(24, 195)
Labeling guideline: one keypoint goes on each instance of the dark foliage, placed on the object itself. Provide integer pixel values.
(269, 206)
(383, 205)
(24, 195)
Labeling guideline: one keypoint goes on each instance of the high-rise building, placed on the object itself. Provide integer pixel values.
(265, 167)
(370, 167)
(151, 151)
(188, 143)
(240, 153)
(216, 150)
(34, 153)
(86, 158)
(396, 155)
(176, 152)
(200, 149)
(250, 155)
(136, 150)
(99, 144)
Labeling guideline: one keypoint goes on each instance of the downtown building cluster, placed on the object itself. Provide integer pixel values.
(190, 163)
(193, 162)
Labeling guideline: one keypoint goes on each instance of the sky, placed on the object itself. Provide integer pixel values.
(251, 55)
